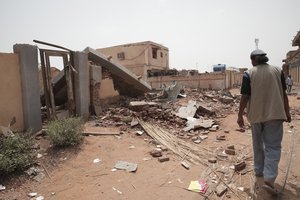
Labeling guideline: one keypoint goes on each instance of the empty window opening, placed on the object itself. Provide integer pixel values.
(154, 53)
(57, 62)
(121, 56)
(161, 54)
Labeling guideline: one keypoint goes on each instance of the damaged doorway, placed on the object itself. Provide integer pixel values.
(58, 96)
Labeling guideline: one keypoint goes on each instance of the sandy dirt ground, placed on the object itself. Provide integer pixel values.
(72, 174)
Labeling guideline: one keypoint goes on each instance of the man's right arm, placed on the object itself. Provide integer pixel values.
(243, 103)
(246, 93)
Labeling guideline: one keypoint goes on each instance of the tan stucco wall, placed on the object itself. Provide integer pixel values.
(107, 92)
(134, 55)
(10, 91)
(138, 57)
(159, 62)
(233, 79)
(295, 73)
(203, 81)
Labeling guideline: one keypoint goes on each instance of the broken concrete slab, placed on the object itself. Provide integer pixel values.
(226, 100)
(128, 83)
(187, 111)
(173, 91)
(194, 123)
(204, 110)
(140, 105)
(124, 165)
(134, 122)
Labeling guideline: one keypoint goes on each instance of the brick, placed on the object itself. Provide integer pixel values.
(239, 166)
(221, 189)
(163, 159)
(212, 160)
(230, 151)
(185, 164)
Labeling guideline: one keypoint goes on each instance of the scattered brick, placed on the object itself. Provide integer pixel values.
(163, 159)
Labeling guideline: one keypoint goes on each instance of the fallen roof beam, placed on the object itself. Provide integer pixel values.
(118, 70)
(52, 45)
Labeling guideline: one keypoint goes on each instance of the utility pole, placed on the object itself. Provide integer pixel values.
(256, 40)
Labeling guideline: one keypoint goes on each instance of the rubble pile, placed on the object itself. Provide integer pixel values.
(196, 118)
(119, 116)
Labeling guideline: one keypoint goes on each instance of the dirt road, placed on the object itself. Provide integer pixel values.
(74, 175)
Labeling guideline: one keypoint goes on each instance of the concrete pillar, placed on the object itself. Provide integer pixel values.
(82, 85)
(28, 58)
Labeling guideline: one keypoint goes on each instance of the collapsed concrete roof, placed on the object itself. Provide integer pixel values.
(127, 83)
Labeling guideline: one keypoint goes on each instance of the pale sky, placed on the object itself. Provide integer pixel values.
(198, 33)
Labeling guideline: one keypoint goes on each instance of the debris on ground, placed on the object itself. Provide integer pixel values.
(185, 164)
(221, 189)
(118, 191)
(32, 194)
(156, 152)
(163, 159)
(2, 187)
(96, 160)
(123, 165)
(198, 186)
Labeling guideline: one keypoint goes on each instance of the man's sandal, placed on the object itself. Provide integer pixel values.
(270, 189)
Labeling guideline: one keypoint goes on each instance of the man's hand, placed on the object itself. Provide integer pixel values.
(288, 117)
(240, 121)
(243, 104)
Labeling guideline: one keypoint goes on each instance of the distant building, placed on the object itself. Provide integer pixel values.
(291, 64)
(139, 57)
(219, 68)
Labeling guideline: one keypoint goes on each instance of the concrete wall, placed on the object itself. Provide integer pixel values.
(233, 79)
(28, 59)
(82, 84)
(202, 81)
(10, 91)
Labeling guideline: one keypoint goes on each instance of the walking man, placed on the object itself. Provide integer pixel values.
(264, 94)
(289, 83)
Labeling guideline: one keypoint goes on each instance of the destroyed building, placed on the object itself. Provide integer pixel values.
(139, 57)
(151, 61)
(291, 64)
(87, 81)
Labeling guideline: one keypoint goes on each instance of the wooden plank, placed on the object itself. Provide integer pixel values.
(45, 83)
(52, 101)
(87, 133)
